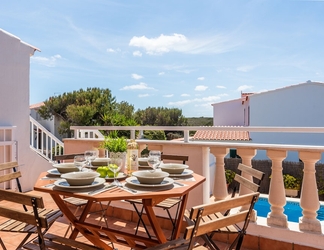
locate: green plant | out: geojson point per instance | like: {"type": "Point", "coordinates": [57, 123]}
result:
{"type": "Point", "coordinates": [114, 144]}
{"type": "Point", "coordinates": [229, 174]}
{"type": "Point", "coordinates": [290, 182]}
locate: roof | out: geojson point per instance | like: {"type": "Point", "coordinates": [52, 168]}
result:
{"type": "Point", "coordinates": [36, 105]}
{"type": "Point", "coordinates": [222, 135]}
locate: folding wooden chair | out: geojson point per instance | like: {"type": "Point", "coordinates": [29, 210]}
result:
{"type": "Point", "coordinates": [166, 205]}
{"type": "Point", "coordinates": [204, 221]}
{"type": "Point", "coordinates": [37, 220]}
{"type": "Point", "coordinates": [14, 225]}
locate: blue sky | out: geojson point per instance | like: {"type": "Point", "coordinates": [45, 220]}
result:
{"type": "Point", "coordinates": [182, 54]}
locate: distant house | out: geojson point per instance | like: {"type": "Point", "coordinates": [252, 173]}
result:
{"type": "Point", "coordinates": [299, 105]}
{"type": "Point", "coordinates": [51, 124]}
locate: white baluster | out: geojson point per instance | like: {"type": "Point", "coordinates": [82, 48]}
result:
{"type": "Point", "coordinates": [277, 197]}
{"type": "Point", "coordinates": [220, 188]}
{"type": "Point", "coordinates": [309, 200]}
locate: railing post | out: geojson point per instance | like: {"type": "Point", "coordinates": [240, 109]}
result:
{"type": "Point", "coordinates": [205, 172]}
{"type": "Point", "coordinates": [220, 189]}
{"type": "Point", "coordinates": [309, 200]}
{"type": "Point", "coordinates": [277, 197]}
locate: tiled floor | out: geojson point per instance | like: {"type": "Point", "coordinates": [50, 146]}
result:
{"type": "Point", "coordinates": [59, 227]}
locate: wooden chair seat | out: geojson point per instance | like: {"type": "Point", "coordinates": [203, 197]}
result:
{"type": "Point", "coordinates": [57, 242]}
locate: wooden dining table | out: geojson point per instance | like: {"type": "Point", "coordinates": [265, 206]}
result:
{"type": "Point", "coordinates": [98, 234]}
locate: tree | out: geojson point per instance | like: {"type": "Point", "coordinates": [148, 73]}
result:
{"type": "Point", "coordinates": [91, 107]}
{"type": "Point", "coordinates": [160, 117]}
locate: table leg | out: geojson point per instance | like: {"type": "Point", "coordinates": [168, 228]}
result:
{"type": "Point", "coordinates": [153, 221]}
{"type": "Point", "coordinates": [176, 233]}
{"type": "Point", "coordinates": [77, 228]}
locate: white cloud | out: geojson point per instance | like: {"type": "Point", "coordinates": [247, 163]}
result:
{"type": "Point", "coordinates": [110, 50]}
{"type": "Point", "coordinates": [168, 96]}
{"type": "Point", "coordinates": [185, 95]}
{"type": "Point", "coordinates": [201, 78]}
{"type": "Point", "coordinates": [136, 76]}
{"type": "Point", "coordinates": [201, 88]}
{"type": "Point", "coordinates": [220, 87]}
{"type": "Point", "coordinates": [143, 95]}
{"type": "Point", "coordinates": [180, 43]}
{"type": "Point", "coordinates": [137, 53]}
{"type": "Point", "coordinates": [159, 45]}
{"type": "Point", "coordinates": [161, 73]}
{"type": "Point", "coordinates": [140, 86]}
{"type": "Point", "coordinates": [244, 87]}
{"type": "Point", "coordinates": [49, 62]}
{"type": "Point", "coordinates": [199, 101]}
{"type": "Point", "coordinates": [245, 68]}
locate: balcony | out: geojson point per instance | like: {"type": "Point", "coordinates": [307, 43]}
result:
{"type": "Point", "coordinates": [276, 229]}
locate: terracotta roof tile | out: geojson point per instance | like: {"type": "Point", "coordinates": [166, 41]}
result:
{"type": "Point", "coordinates": [221, 135]}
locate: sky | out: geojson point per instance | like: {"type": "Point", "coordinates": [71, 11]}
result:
{"type": "Point", "coordinates": [181, 54]}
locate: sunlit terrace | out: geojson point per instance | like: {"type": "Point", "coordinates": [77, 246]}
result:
{"type": "Point", "coordinates": [275, 230]}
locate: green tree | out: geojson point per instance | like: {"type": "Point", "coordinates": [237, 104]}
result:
{"type": "Point", "coordinates": [91, 107]}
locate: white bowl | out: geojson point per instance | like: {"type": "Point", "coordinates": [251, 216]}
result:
{"type": "Point", "coordinates": [148, 177]}
{"type": "Point", "coordinates": [173, 168]}
{"type": "Point", "coordinates": [80, 178]}
{"type": "Point", "coordinates": [100, 162]}
{"type": "Point", "coordinates": [142, 162]}
{"type": "Point", "coordinates": [65, 167]}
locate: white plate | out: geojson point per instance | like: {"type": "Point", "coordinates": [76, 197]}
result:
{"type": "Point", "coordinates": [186, 172]}
{"type": "Point", "coordinates": [54, 171]}
{"type": "Point", "coordinates": [133, 180]}
{"type": "Point", "coordinates": [120, 175]}
{"type": "Point", "coordinates": [64, 184]}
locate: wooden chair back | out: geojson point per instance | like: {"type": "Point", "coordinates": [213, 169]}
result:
{"type": "Point", "coordinates": [9, 172]}
{"type": "Point", "coordinates": [208, 217]}
{"type": "Point", "coordinates": [62, 158]}
{"type": "Point", "coordinates": [182, 158]}
{"type": "Point", "coordinates": [242, 180]}
{"type": "Point", "coordinates": [11, 212]}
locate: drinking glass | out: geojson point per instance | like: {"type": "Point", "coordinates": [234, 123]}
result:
{"type": "Point", "coordinates": [90, 155]}
{"type": "Point", "coordinates": [115, 166]}
{"type": "Point", "coordinates": [156, 163]}
{"type": "Point", "coordinates": [153, 161]}
{"type": "Point", "coordinates": [80, 161]}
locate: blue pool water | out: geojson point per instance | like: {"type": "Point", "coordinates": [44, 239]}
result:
{"type": "Point", "coordinates": [291, 209]}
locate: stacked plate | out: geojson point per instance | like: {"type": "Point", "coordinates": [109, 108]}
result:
{"type": "Point", "coordinates": [79, 180]}
{"type": "Point", "coordinates": [150, 179]}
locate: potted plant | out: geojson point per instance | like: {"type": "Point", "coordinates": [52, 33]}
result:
{"type": "Point", "coordinates": [115, 147]}
{"type": "Point", "coordinates": [229, 174]}
{"type": "Point", "coordinates": [291, 184]}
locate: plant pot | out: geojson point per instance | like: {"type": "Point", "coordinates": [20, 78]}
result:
{"type": "Point", "coordinates": [291, 192]}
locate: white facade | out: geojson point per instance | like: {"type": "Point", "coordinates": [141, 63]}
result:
{"type": "Point", "coordinates": [299, 105]}
{"type": "Point", "coordinates": [229, 113]}
{"type": "Point", "coordinates": [14, 103]}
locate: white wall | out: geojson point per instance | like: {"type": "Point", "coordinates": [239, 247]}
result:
{"type": "Point", "coordinates": [295, 106]}
{"type": "Point", "coordinates": [14, 102]}
{"type": "Point", "coordinates": [230, 113]}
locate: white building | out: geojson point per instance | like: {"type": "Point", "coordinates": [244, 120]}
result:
{"type": "Point", "coordinates": [14, 108]}
{"type": "Point", "coordinates": [299, 105]}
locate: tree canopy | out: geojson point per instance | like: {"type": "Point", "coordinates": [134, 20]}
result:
{"type": "Point", "coordinates": [97, 107]}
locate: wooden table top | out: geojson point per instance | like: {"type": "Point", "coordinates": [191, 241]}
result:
{"type": "Point", "coordinates": [43, 184]}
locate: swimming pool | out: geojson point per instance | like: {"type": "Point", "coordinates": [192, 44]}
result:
{"type": "Point", "coordinates": [291, 209]}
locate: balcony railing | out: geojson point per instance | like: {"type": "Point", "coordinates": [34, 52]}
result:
{"type": "Point", "coordinates": [199, 152]}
